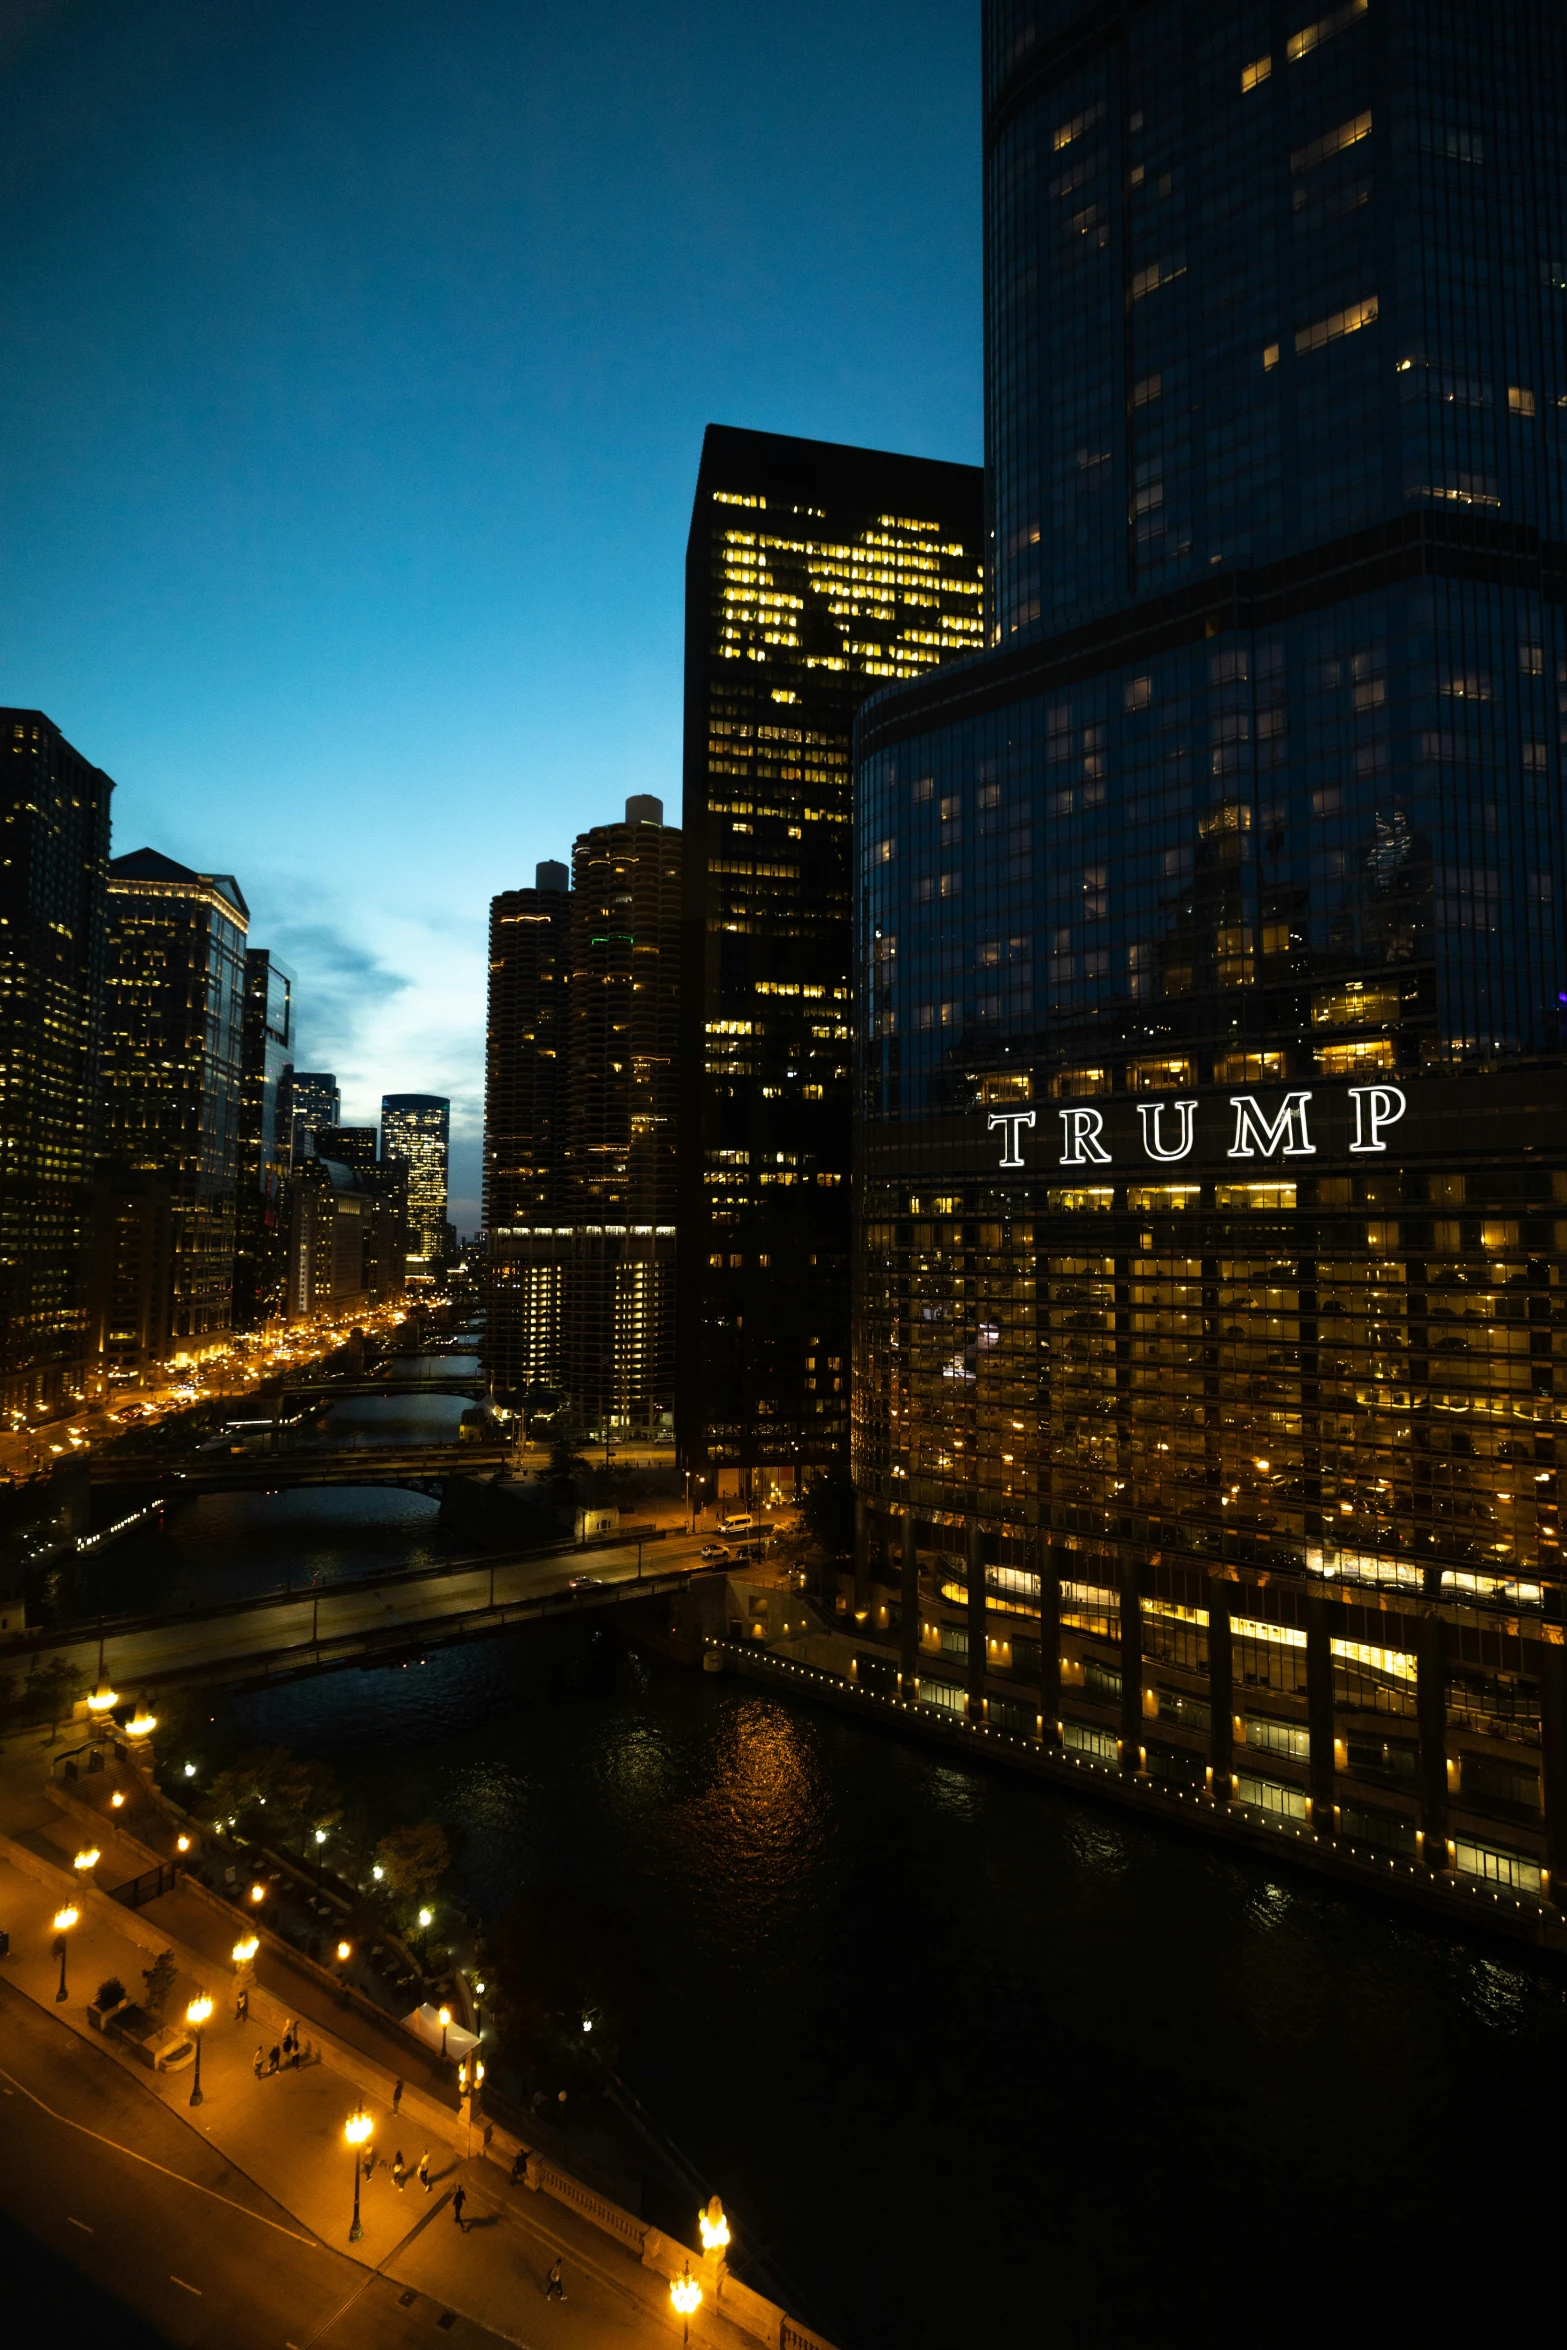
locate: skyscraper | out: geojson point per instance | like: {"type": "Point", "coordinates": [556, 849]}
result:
{"type": "Point", "coordinates": [1212, 1142]}
{"type": "Point", "coordinates": [172, 1070]}
{"type": "Point", "coordinates": [814, 574]}
{"type": "Point", "coordinates": [317, 1101]}
{"type": "Point", "coordinates": [580, 1146]}
{"type": "Point", "coordinates": [524, 1125]}
{"type": "Point", "coordinates": [265, 1140]}
{"type": "Point", "coordinates": [351, 1146]}
{"type": "Point", "coordinates": [52, 944]}
{"type": "Point", "coordinates": [416, 1128]}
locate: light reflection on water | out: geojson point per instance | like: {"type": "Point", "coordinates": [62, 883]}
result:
{"type": "Point", "coordinates": [958, 1999]}
{"type": "Point", "coordinates": [982, 2063]}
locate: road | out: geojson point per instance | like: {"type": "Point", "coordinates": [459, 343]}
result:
{"type": "Point", "coordinates": [99, 2171]}
{"type": "Point", "coordinates": [381, 1608]}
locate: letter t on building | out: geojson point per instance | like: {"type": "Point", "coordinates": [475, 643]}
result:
{"type": "Point", "coordinates": [1014, 1121]}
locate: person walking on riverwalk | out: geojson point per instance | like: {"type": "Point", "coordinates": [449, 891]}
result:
{"type": "Point", "coordinates": [554, 2289]}
{"type": "Point", "coordinates": [261, 2058]}
{"type": "Point", "coordinates": [424, 2170]}
{"type": "Point", "coordinates": [397, 2096]}
{"type": "Point", "coordinates": [458, 2200]}
{"type": "Point", "coordinates": [242, 2005]}
{"type": "Point", "coordinates": [399, 2171]}
{"type": "Point", "coordinates": [274, 2059]}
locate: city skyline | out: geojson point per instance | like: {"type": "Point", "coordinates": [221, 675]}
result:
{"type": "Point", "coordinates": [350, 611]}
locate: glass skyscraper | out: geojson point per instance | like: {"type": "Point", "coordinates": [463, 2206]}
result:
{"type": "Point", "coordinates": [814, 574]}
{"type": "Point", "coordinates": [265, 1140]}
{"type": "Point", "coordinates": [416, 1128]}
{"type": "Point", "coordinates": [1212, 1138]}
{"type": "Point", "coordinates": [173, 1056]}
{"type": "Point", "coordinates": [54, 806]}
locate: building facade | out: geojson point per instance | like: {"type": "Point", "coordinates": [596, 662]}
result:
{"type": "Point", "coordinates": [353, 1146]}
{"type": "Point", "coordinates": [317, 1101]}
{"type": "Point", "coordinates": [524, 1127]}
{"type": "Point", "coordinates": [266, 1127]}
{"type": "Point", "coordinates": [173, 1057]}
{"type": "Point", "coordinates": [416, 1129]}
{"type": "Point", "coordinates": [814, 575]}
{"type": "Point", "coordinates": [329, 1211]}
{"type": "Point", "coordinates": [53, 931]}
{"type": "Point", "coordinates": [1212, 1272]}
{"type": "Point", "coordinates": [582, 1141]}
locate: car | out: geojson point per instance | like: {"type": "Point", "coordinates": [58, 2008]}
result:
{"type": "Point", "coordinates": [585, 1583]}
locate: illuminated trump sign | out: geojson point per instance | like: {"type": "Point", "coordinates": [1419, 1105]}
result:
{"type": "Point", "coordinates": [1166, 1132]}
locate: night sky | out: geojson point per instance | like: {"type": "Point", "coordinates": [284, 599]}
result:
{"type": "Point", "coordinates": [356, 361]}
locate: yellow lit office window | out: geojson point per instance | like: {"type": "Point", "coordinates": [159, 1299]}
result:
{"type": "Point", "coordinates": [1155, 1199]}
{"type": "Point", "coordinates": [1161, 1076]}
{"type": "Point", "coordinates": [1091, 1196]}
{"type": "Point", "coordinates": [1254, 1195]}
{"type": "Point", "coordinates": [1069, 1084]}
{"type": "Point", "coordinates": [1365, 1052]}
{"type": "Point", "coordinates": [1258, 71]}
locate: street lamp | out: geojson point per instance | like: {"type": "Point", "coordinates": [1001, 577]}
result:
{"type": "Point", "coordinates": [345, 1951]}
{"type": "Point", "coordinates": [64, 1920]}
{"type": "Point", "coordinates": [86, 1861]}
{"type": "Point", "coordinates": [686, 2295]}
{"type": "Point", "coordinates": [426, 1921]}
{"type": "Point", "coordinates": [196, 2015]}
{"type": "Point", "coordinates": [356, 2130]}
{"type": "Point", "coordinates": [320, 1842]}
{"type": "Point", "coordinates": [714, 2227]}
{"type": "Point", "coordinates": [141, 1724]}
{"type": "Point", "coordinates": [245, 1950]}
{"type": "Point", "coordinates": [103, 1699]}
{"type": "Point", "coordinates": [445, 2020]}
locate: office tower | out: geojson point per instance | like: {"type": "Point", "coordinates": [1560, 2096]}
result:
{"type": "Point", "coordinates": [618, 1165]}
{"type": "Point", "coordinates": [581, 1123]}
{"type": "Point", "coordinates": [265, 1140]}
{"type": "Point", "coordinates": [173, 1073]}
{"type": "Point", "coordinates": [1210, 941]}
{"type": "Point", "coordinates": [415, 1128]}
{"type": "Point", "coordinates": [317, 1101]}
{"type": "Point", "coordinates": [52, 946]}
{"type": "Point", "coordinates": [385, 1249]}
{"type": "Point", "coordinates": [351, 1146]}
{"type": "Point", "coordinates": [814, 574]}
{"type": "Point", "coordinates": [328, 1214]}
{"type": "Point", "coordinates": [530, 943]}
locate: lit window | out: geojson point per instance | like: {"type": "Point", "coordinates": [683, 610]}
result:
{"type": "Point", "coordinates": [1337, 325]}
{"type": "Point", "coordinates": [1258, 71]}
{"type": "Point", "coordinates": [1520, 400]}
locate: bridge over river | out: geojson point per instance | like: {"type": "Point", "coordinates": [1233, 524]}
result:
{"type": "Point", "coordinates": [421, 1466]}
{"type": "Point", "coordinates": [380, 1619]}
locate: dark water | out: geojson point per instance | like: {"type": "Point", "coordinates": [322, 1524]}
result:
{"type": "Point", "coordinates": [975, 2062]}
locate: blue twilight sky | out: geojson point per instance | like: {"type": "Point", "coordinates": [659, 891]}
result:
{"type": "Point", "coordinates": [353, 367]}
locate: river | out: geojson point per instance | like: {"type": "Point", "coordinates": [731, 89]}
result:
{"type": "Point", "coordinates": [975, 2061]}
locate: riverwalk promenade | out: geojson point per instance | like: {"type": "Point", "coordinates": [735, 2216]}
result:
{"type": "Point", "coordinates": [230, 2219]}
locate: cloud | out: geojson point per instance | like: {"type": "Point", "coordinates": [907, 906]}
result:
{"type": "Point", "coordinates": [340, 985]}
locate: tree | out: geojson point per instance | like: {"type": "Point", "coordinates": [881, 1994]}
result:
{"type": "Point", "coordinates": [54, 1691]}
{"type": "Point", "coordinates": [413, 1861]}
{"type": "Point", "coordinates": [568, 1981]}
{"type": "Point", "coordinates": [273, 1794]}
{"type": "Point", "coordinates": [159, 1979]}
{"type": "Point", "coordinates": [829, 1511]}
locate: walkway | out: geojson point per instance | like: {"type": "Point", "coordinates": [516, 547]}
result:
{"type": "Point", "coordinates": [260, 2176]}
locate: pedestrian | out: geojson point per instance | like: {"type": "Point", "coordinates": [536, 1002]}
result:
{"type": "Point", "coordinates": [424, 2170]}
{"type": "Point", "coordinates": [274, 2059]}
{"type": "Point", "coordinates": [519, 2168]}
{"type": "Point", "coordinates": [242, 2006]}
{"type": "Point", "coordinates": [458, 2200]}
{"type": "Point", "coordinates": [369, 2162]}
{"type": "Point", "coordinates": [554, 2290]}
{"type": "Point", "coordinates": [397, 2096]}
{"type": "Point", "coordinates": [399, 2171]}
{"type": "Point", "coordinates": [261, 2058]}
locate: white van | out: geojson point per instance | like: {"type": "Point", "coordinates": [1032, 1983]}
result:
{"type": "Point", "coordinates": [739, 1524]}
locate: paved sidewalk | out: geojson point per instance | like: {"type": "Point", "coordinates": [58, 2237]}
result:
{"type": "Point", "coordinates": [285, 2134]}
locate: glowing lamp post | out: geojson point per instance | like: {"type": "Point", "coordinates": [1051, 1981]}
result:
{"type": "Point", "coordinates": [139, 1730]}
{"type": "Point", "coordinates": [686, 2294]}
{"type": "Point", "coordinates": [345, 1951]}
{"type": "Point", "coordinates": [715, 2229]}
{"type": "Point", "coordinates": [445, 2023]}
{"type": "Point", "coordinates": [244, 1956]}
{"type": "Point", "coordinates": [103, 1700]}
{"type": "Point", "coordinates": [64, 1920]}
{"type": "Point", "coordinates": [196, 2015]}
{"type": "Point", "coordinates": [86, 1861]}
{"type": "Point", "coordinates": [426, 1921]}
{"type": "Point", "coordinates": [356, 2130]}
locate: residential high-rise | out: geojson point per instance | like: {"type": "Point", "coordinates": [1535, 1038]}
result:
{"type": "Point", "coordinates": [173, 1056]}
{"type": "Point", "coordinates": [52, 946]}
{"type": "Point", "coordinates": [317, 1101]}
{"type": "Point", "coordinates": [581, 1127]}
{"type": "Point", "coordinates": [416, 1128]}
{"type": "Point", "coordinates": [814, 574]}
{"type": "Point", "coordinates": [524, 1117]}
{"type": "Point", "coordinates": [265, 1140]}
{"type": "Point", "coordinates": [1212, 1148]}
